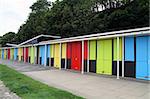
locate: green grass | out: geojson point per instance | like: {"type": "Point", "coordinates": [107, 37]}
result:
{"type": "Point", "coordinates": [27, 88]}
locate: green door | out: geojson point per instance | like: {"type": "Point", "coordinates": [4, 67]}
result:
{"type": "Point", "coordinates": [32, 55]}
{"type": "Point", "coordinates": [100, 57]}
{"type": "Point", "coordinates": [93, 50]}
{"type": "Point", "coordinates": [92, 61]}
{"type": "Point", "coordinates": [108, 57]}
{"type": "Point", "coordinates": [104, 57]}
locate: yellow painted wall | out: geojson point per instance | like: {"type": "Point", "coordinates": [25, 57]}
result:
{"type": "Point", "coordinates": [29, 53]}
{"type": "Point", "coordinates": [5, 54]}
{"type": "Point", "coordinates": [52, 51]}
{"type": "Point", "coordinates": [0, 53]}
{"type": "Point", "coordinates": [20, 53]}
{"type": "Point", "coordinates": [115, 49]}
{"type": "Point", "coordinates": [32, 54]}
{"type": "Point", "coordinates": [64, 50]}
{"type": "Point", "coordinates": [11, 53]}
{"type": "Point", "coordinates": [57, 56]}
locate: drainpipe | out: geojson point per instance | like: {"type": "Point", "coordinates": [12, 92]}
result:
{"type": "Point", "coordinates": [49, 56]}
{"type": "Point", "coordinates": [45, 56]}
{"type": "Point", "coordinates": [66, 58]}
{"type": "Point", "coordinates": [88, 56]}
{"type": "Point", "coordinates": [82, 70]}
{"type": "Point", "coordinates": [60, 56]}
{"type": "Point", "coordinates": [122, 56]}
{"type": "Point", "coordinates": [24, 54]}
{"type": "Point", "coordinates": [117, 57]}
{"type": "Point", "coordinates": [35, 56]}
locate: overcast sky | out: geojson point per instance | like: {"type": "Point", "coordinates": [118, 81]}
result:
{"type": "Point", "coordinates": [13, 13]}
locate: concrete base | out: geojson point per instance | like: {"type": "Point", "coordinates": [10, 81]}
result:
{"type": "Point", "coordinates": [88, 86]}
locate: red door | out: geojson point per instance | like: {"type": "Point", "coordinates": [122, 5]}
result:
{"type": "Point", "coordinates": [23, 54]}
{"type": "Point", "coordinates": [26, 56]}
{"type": "Point", "coordinates": [8, 53]}
{"type": "Point", "coordinates": [76, 56]}
{"type": "Point", "coordinates": [85, 50]}
{"type": "Point", "coordinates": [68, 50]}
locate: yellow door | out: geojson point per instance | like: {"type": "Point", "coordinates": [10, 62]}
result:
{"type": "Point", "coordinates": [57, 56]}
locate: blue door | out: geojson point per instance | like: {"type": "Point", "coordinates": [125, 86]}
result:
{"type": "Point", "coordinates": [2, 53]}
{"type": "Point", "coordinates": [129, 49]}
{"type": "Point", "coordinates": [15, 53]}
{"type": "Point", "coordinates": [129, 57]}
{"type": "Point", "coordinates": [42, 54]}
{"type": "Point", "coordinates": [48, 55]}
{"type": "Point", "coordinates": [142, 57]}
{"type": "Point", "coordinates": [149, 58]}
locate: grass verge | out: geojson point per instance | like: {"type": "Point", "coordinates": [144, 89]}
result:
{"type": "Point", "coordinates": [27, 88]}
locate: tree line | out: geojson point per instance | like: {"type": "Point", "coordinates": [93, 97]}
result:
{"type": "Point", "coordinates": [79, 17]}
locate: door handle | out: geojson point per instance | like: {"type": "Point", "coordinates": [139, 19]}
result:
{"type": "Point", "coordinates": [75, 58]}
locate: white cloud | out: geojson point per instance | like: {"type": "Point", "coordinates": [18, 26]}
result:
{"type": "Point", "coordinates": [13, 13]}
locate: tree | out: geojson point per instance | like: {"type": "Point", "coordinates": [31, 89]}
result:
{"type": "Point", "coordinates": [36, 23]}
{"type": "Point", "coordinates": [7, 38]}
{"type": "Point", "coordinates": [79, 17]}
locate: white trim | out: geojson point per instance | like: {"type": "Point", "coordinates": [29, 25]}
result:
{"type": "Point", "coordinates": [88, 61]}
{"type": "Point", "coordinates": [138, 31]}
{"type": "Point", "coordinates": [35, 55]}
{"type": "Point", "coordinates": [60, 54]}
{"type": "Point", "coordinates": [100, 34]}
{"type": "Point", "coordinates": [45, 58]}
{"type": "Point", "coordinates": [82, 70]}
{"type": "Point", "coordinates": [118, 52]}
{"type": "Point", "coordinates": [122, 56]}
{"type": "Point", "coordinates": [66, 56]}
{"type": "Point", "coordinates": [13, 45]}
{"type": "Point", "coordinates": [99, 37]}
{"type": "Point", "coordinates": [38, 37]}
{"type": "Point", "coordinates": [66, 63]}
{"type": "Point", "coordinates": [24, 54]}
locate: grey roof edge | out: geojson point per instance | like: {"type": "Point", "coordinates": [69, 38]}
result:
{"type": "Point", "coordinates": [143, 30]}
{"type": "Point", "coordinates": [100, 34]}
{"type": "Point", "coordinates": [38, 37]}
{"type": "Point", "coordinates": [13, 45]}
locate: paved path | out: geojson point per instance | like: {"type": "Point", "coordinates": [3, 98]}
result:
{"type": "Point", "coordinates": [5, 92]}
{"type": "Point", "coordinates": [23, 67]}
{"type": "Point", "coordinates": [88, 86]}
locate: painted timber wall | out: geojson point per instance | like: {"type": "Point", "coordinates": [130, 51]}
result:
{"type": "Point", "coordinates": [26, 54]}
{"type": "Point", "coordinates": [92, 55]}
{"type": "Point", "coordinates": [69, 47]}
{"type": "Point", "coordinates": [42, 54]}
{"type": "Point", "coordinates": [16, 54]}
{"type": "Point", "coordinates": [52, 50]}
{"type": "Point", "coordinates": [100, 56]}
{"type": "Point", "coordinates": [8, 54]}
{"type": "Point", "coordinates": [57, 56]}
{"type": "Point", "coordinates": [32, 54]}
{"type": "Point", "coordinates": [48, 56]}
{"type": "Point", "coordinates": [63, 55]}
{"type": "Point", "coordinates": [104, 57]}
{"type": "Point", "coordinates": [114, 54]}
{"type": "Point", "coordinates": [142, 57]}
{"type": "Point", "coordinates": [130, 66]}
{"type": "Point", "coordinates": [76, 56]}
{"type": "Point", "coordinates": [19, 53]}
{"type": "Point", "coordinates": [85, 55]}
{"type": "Point", "coordinates": [5, 53]}
{"type": "Point", "coordinates": [12, 54]}
{"type": "Point", "coordinates": [0, 53]}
